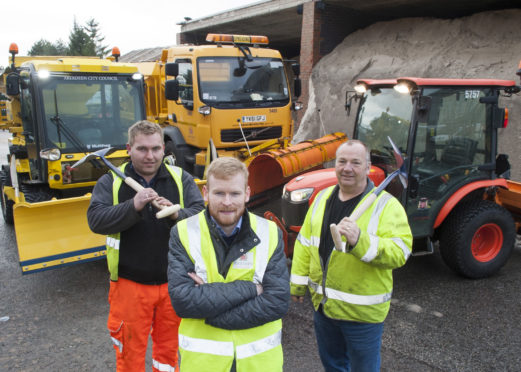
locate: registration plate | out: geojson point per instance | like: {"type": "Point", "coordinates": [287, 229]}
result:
{"type": "Point", "coordinates": [253, 118]}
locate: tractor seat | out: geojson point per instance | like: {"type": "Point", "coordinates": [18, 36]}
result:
{"type": "Point", "coordinates": [459, 151]}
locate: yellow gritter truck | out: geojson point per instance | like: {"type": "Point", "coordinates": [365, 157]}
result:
{"type": "Point", "coordinates": [232, 97]}
{"type": "Point", "coordinates": [58, 109]}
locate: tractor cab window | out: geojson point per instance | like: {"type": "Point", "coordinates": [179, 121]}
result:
{"type": "Point", "coordinates": [231, 82]}
{"type": "Point", "coordinates": [451, 144]}
{"type": "Point", "coordinates": [384, 113]}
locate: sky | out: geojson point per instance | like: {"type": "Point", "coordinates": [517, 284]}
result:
{"type": "Point", "coordinates": [127, 24]}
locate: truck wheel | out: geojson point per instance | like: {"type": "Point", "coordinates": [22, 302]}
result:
{"type": "Point", "coordinates": [35, 194]}
{"type": "Point", "coordinates": [172, 150]}
{"type": "Point", "coordinates": [477, 238]}
{"type": "Point", "coordinates": [7, 205]}
{"type": "Point", "coordinates": [7, 208]}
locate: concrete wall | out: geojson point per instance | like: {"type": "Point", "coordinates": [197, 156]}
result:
{"type": "Point", "coordinates": [484, 45]}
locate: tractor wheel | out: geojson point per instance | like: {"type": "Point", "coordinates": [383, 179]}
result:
{"type": "Point", "coordinates": [35, 194]}
{"type": "Point", "coordinates": [477, 238]}
{"type": "Point", "coordinates": [7, 204]}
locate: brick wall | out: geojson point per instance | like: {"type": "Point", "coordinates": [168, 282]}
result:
{"type": "Point", "coordinates": [309, 48]}
{"type": "Point", "coordinates": [324, 26]}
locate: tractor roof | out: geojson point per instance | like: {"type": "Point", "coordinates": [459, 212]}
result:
{"type": "Point", "coordinates": [438, 82]}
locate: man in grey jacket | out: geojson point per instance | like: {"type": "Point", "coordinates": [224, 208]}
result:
{"type": "Point", "coordinates": [137, 248]}
{"type": "Point", "coordinates": [228, 280]}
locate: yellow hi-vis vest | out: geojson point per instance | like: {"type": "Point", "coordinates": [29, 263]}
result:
{"type": "Point", "coordinates": [354, 286]}
{"type": "Point", "coordinates": [206, 348]}
{"type": "Point", "coordinates": [113, 240]}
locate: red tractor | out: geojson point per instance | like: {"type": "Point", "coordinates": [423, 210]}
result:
{"type": "Point", "coordinates": [458, 189]}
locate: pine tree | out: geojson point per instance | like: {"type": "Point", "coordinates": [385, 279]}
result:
{"type": "Point", "coordinates": [92, 28]}
{"type": "Point", "coordinates": [80, 42]}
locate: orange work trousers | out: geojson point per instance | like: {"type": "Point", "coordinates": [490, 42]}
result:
{"type": "Point", "coordinates": [137, 311]}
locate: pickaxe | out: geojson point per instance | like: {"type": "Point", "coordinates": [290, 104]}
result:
{"type": "Point", "coordinates": [400, 172]}
{"type": "Point", "coordinates": [164, 211]}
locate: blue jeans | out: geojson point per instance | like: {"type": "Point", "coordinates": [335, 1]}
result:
{"type": "Point", "coordinates": [346, 346]}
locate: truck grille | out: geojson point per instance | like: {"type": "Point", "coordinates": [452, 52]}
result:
{"type": "Point", "coordinates": [251, 134]}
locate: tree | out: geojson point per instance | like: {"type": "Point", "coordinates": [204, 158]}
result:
{"type": "Point", "coordinates": [80, 42]}
{"type": "Point", "coordinates": [46, 48]}
{"type": "Point", "coordinates": [92, 28]}
{"type": "Point", "coordinates": [83, 41]}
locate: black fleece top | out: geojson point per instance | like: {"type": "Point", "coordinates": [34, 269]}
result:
{"type": "Point", "coordinates": [144, 238]}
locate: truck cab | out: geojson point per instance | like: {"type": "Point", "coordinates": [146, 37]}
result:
{"type": "Point", "coordinates": [233, 93]}
{"type": "Point", "coordinates": [58, 109]}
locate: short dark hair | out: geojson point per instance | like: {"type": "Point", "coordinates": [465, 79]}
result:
{"type": "Point", "coordinates": [143, 127]}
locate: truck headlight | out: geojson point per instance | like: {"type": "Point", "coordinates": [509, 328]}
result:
{"type": "Point", "coordinates": [44, 74]}
{"type": "Point", "coordinates": [300, 195]}
{"type": "Point", "coordinates": [50, 154]}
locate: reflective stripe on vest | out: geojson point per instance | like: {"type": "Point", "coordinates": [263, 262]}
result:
{"type": "Point", "coordinates": [259, 346]}
{"type": "Point", "coordinates": [201, 345]}
{"type": "Point", "coordinates": [299, 279]}
{"type": "Point", "coordinates": [372, 227]}
{"type": "Point", "coordinates": [225, 348]}
{"type": "Point", "coordinates": [194, 235]}
{"type": "Point", "coordinates": [312, 241]}
{"type": "Point", "coordinates": [351, 298]}
{"type": "Point", "coordinates": [317, 200]}
{"type": "Point", "coordinates": [113, 240]}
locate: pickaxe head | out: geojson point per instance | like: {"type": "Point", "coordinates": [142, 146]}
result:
{"type": "Point", "coordinates": [402, 170]}
{"type": "Point", "coordinates": [93, 155]}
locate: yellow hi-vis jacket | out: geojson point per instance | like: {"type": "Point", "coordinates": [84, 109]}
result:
{"type": "Point", "coordinates": [357, 285]}
{"type": "Point", "coordinates": [207, 348]}
{"type": "Point", "coordinates": [113, 240]}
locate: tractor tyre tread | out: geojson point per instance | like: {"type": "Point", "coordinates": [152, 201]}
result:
{"type": "Point", "coordinates": [459, 229]}
{"type": "Point", "coordinates": [35, 194]}
{"type": "Point", "coordinates": [7, 205]}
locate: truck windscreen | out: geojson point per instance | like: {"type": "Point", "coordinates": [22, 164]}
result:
{"type": "Point", "coordinates": [239, 82]}
{"type": "Point", "coordinates": [97, 109]}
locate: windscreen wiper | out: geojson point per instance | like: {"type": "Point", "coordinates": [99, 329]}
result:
{"type": "Point", "coordinates": [61, 126]}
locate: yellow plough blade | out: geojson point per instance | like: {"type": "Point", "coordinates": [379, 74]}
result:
{"type": "Point", "coordinates": [55, 233]}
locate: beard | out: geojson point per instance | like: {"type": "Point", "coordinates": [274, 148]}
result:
{"type": "Point", "coordinates": [228, 217]}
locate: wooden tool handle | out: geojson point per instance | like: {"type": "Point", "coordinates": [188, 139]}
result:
{"type": "Point", "coordinates": [167, 211]}
{"type": "Point", "coordinates": [337, 238]}
{"type": "Point", "coordinates": [164, 211]}
{"type": "Point", "coordinates": [363, 207]}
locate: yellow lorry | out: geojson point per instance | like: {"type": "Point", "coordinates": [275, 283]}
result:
{"type": "Point", "coordinates": [229, 98]}
{"type": "Point", "coordinates": [58, 109]}
{"type": "Point", "coordinates": [232, 97]}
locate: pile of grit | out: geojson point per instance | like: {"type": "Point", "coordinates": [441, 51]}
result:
{"type": "Point", "coordinates": [485, 45]}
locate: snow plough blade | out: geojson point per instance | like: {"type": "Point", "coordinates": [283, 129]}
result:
{"type": "Point", "coordinates": [277, 166]}
{"type": "Point", "coordinates": [55, 233]}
